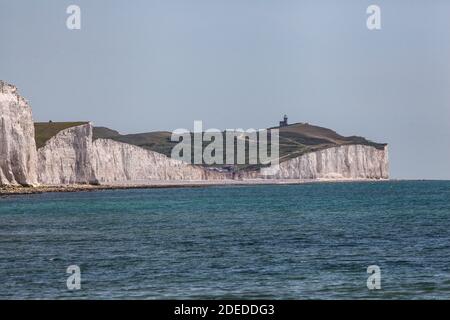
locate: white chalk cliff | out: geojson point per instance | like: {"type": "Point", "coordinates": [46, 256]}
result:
{"type": "Point", "coordinates": [72, 156]}
{"type": "Point", "coordinates": [17, 144]}
{"type": "Point", "coordinates": [343, 162]}
{"type": "Point", "coordinates": [114, 161]}
{"type": "Point", "coordinates": [66, 158]}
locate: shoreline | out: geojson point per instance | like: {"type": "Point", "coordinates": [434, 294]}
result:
{"type": "Point", "coordinates": [23, 190]}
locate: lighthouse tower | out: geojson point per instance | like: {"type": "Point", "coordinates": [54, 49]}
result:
{"type": "Point", "coordinates": [284, 123]}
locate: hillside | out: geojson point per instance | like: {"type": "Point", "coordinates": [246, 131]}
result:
{"type": "Point", "coordinates": [158, 141]}
{"type": "Point", "coordinates": [295, 140]}
{"type": "Point", "coordinates": [300, 138]}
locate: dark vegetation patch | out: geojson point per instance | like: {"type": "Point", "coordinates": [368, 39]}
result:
{"type": "Point", "coordinates": [43, 131]}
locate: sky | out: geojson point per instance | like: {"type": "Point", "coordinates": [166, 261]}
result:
{"type": "Point", "coordinates": [146, 65]}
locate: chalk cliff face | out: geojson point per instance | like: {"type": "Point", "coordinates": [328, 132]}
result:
{"type": "Point", "coordinates": [343, 162]}
{"type": "Point", "coordinates": [114, 161]}
{"type": "Point", "coordinates": [17, 144]}
{"type": "Point", "coordinates": [71, 157]}
{"type": "Point", "coordinates": [66, 157]}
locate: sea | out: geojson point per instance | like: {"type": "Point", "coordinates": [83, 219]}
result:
{"type": "Point", "coordinates": [352, 240]}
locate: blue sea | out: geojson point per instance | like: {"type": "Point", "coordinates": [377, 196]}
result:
{"type": "Point", "coordinates": [308, 241]}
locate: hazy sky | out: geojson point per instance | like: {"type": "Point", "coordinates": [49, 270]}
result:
{"type": "Point", "coordinates": [140, 66]}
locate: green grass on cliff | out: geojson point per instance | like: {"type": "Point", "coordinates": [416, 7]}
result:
{"type": "Point", "coordinates": [43, 131]}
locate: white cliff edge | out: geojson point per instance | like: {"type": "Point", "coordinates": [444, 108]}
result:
{"type": "Point", "coordinates": [17, 144]}
{"type": "Point", "coordinates": [66, 157]}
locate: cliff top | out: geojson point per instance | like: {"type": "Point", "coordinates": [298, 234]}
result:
{"type": "Point", "coordinates": [11, 90]}
{"type": "Point", "coordinates": [43, 131]}
{"type": "Point", "coordinates": [6, 86]}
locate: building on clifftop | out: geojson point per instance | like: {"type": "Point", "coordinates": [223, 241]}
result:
{"type": "Point", "coordinates": [284, 123]}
